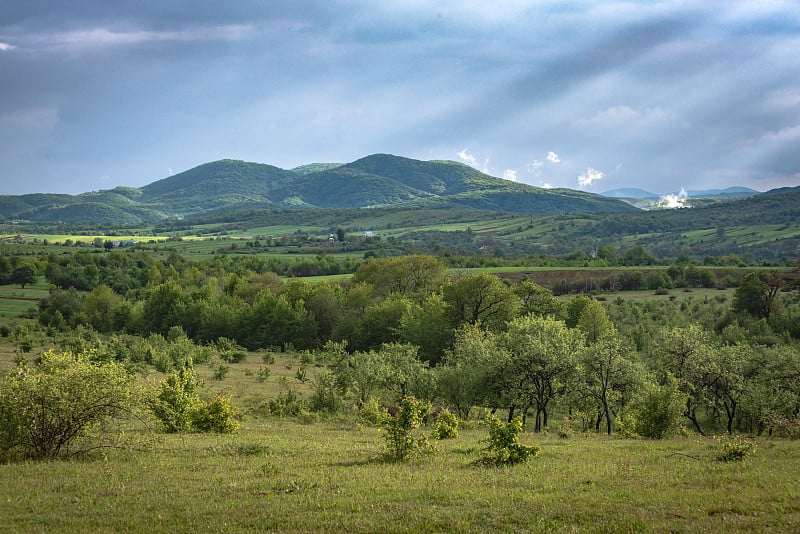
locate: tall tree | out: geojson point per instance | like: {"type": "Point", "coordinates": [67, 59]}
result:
{"type": "Point", "coordinates": [540, 362]}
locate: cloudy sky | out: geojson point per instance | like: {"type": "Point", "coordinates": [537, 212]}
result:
{"type": "Point", "coordinates": [587, 95]}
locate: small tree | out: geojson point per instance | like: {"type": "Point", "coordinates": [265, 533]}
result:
{"type": "Point", "coordinates": [50, 410]}
{"type": "Point", "coordinates": [177, 397]}
{"type": "Point", "coordinates": [504, 446]}
{"type": "Point", "coordinates": [180, 409]}
{"type": "Point", "coordinates": [400, 440]}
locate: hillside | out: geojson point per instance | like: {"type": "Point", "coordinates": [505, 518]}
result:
{"type": "Point", "coordinates": [377, 180]}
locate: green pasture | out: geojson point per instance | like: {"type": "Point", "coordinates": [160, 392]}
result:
{"type": "Point", "coordinates": [280, 475]}
{"type": "Point", "coordinates": [16, 302]}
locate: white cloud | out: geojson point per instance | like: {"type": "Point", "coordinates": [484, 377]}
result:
{"type": "Point", "coordinates": [510, 174]}
{"type": "Point", "coordinates": [468, 158]}
{"type": "Point", "coordinates": [625, 116]}
{"type": "Point", "coordinates": [674, 200]}
{"type": "Point", "coordinates": [5, 47]}
{"type": "Point", "coordinates": [552, 157]}
{"type": "Point", "coordinates": [472, 161]}
{"type": "Point", "coordinates": [590, 176]}
{"type": "Point", "coordinates": [545, 185]}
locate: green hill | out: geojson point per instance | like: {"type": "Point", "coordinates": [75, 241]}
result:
{"type": "Point", "coordinates": [377, 180]}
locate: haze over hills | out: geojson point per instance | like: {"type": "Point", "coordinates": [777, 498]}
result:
{"type": "Point", "coordinates": [376, 180]}
{"type": "Point", "coordinates": [641, 194]}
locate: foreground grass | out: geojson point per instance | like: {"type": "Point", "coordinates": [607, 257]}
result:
{"type": "Point", "coordinates": [283, 476]}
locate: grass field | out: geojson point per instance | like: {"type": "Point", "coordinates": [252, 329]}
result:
{"type": "Point", "coordinates": [283, 476]}
{"type": "Point", "coordinates": [329, 475]}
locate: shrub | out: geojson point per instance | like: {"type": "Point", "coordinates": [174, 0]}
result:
{"type": "Point", "coordinates": [49, 411]}
{"type": "Point", "coordinates": [177, 397]}
{"type": "Point", "coordinates": [180, 409]}
{"type": "Point", "coordinates": [446, 425]}
{"type": "Point", "coordinates": [734, 449]}
{"type": "Point", "coordinates": [221, 372]}
{"type": "Point", "coordinates": [504, 447]}
{"type": "Point", "coordinates": [216, 415]}
{"type": "Point", "coordinates": [372, 412]}
{"type": "Point", "coordinates": [288, 404]}
{"type": "Point", "coordinates": [400, 440]}
{"type": "Point", "coordinates": [656, 412]}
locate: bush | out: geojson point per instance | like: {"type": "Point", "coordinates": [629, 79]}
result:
{"type": "Point", "coordinates": [180, 409]}
{"type": "Point", "coordinates": [446, 425]}
{"type": "Point", "coordinates": [288, 404]}
{"type": "Point", "coordinates": [49, 411]}
{"type": "Point", "coordinates": [178, 396]}
{"type": "Point", "coordinates": [504, 447]}
{"type": "Point", "coordinates": [656, 412]}
{"type": "Point", "coordinates": [401, 443]}
{"type": "Point", "coordinates": [734, 449]}
{"type": "Point", "coordinates": [216, 415]}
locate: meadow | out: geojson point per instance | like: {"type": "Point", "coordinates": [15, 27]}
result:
{"type": "Point", "coordinates": [280, 475]}
{"type": "Point", "coordinates": [329, 474]}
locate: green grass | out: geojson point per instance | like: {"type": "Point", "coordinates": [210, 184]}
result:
{"type": "Point", "coordinates": [280, 475]}
{"type": "Point", "coordinates": [283, 476]}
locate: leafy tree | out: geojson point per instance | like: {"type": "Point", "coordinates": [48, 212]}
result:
{"type": "Point", "coordinates": [379, 324]}
{"type": "Point", "coordinates": [683, 352]}
{"type": "Point", "coordinates": [408, 275]}
{"type": "Point", "coordinates": [164, 308]}
{"type": "Point", "coordinates": [24, 275]}
{"type": "Point", "coordinates": [50, 410]}
{"type": "Point", "coordinates": [537, 300]}
{"type": "Point", "coordinates": [756, 294]}
{"type": "Point", "coordinates": [594, 322]}
{"type": "Point", "coordinates": [480, 299]}
{"type": "Point", "coordinates": [104, 309]}
{"type": "Point", "coordinates": [610, 376]}
{"type": "Point", "coordinates": [637, 255]}
{"type": "Point", "coordinates": [464, 376]}
{"type": "Point", "coordinates": [539, 362]}
{"type": "Point", "coordinates": [427, 327]}
{"type": "Point", "coordinates": [574, 309]}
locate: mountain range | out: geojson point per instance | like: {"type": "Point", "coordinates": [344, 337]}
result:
{"type": "Point", "coordinates": [376, 180]}
{"type": "Point", "coordinates": [641, 194]}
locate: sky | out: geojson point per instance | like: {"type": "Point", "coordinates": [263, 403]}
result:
{"type": "Point", "coordinates": [589, 95]}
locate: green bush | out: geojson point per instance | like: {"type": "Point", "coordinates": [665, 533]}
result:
{"type": "Point", "coordinates": [217, 415]}
{"type": "Point", "coordinates": [446, 425]}
{"type": "Point", "coordinates": [401, 443]}
{"type": "Point", "coordinates": [288, 404]}
{"type": "Point", "coordinates": [178, 396]}
{"type": "Point", "coordinates": [735, 449]}
{"type": "Point", "coordinates": [51, 410]}
{"type": "Point", "coordinates": [504, 447]}
{"type": "Point", "coordinates": [180, 409]}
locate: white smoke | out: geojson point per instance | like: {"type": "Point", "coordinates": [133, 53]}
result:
{"type": "Point", "coordinates": [672, 201]}
{"type": "Point", "coordinates": [510, 174]}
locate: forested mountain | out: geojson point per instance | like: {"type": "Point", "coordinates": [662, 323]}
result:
{"type": "Point", "coordinates": [377, 180]}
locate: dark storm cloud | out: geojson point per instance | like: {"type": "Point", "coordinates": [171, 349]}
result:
{"type": "Point", "coordinates": [657, 95]}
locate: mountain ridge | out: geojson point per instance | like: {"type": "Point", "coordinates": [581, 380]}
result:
{"type": "Point", "coordinates": [371, 181]}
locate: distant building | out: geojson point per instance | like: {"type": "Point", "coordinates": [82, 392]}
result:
{"type": "Point", "coordinates": [368, 233]}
